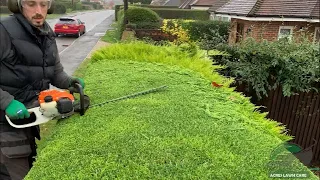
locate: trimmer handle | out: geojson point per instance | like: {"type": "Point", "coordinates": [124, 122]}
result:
{"type": "Point", "coordinates": [78, 89]}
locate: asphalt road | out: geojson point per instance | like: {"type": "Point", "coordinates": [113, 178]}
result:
{"type": "Point", "coordinates": [91, 20]}
{"type": "Point", "coordinates": [74, 50]}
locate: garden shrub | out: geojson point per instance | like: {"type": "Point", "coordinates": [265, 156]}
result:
{"type": "Point", "coordinates": [208, 34]}
{"type": "Point", "coordinates": [167, 54]}
{"type": "Point", "coordinates": [59, 9]}
{"type": "Point", "coordinates": [142, 16]}
{"type": "Point", "coordinates": [4, 10]}
{"type": "Point", "coordinates": [78, 6]}
{"type": "Point", "coordinates": [120, 25]}
{"type": "Point", "coordinates": [148, 25]}
{"type": "Point", "coordinates": [172, 13]}
{"type": "Point", "coordinates": [266, 65]}
{"type": "Point", "coordinates": [188, 131]}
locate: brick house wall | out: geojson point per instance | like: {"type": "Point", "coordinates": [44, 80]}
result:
{"type": "Point", "coordinates": [266, 30]}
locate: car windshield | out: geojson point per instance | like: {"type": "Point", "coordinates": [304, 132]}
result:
{"type": "Point", "coordinates": [67, 21]}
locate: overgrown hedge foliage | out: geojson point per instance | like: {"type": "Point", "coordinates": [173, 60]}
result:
{"type": "Point", "coordinates": [59, 9]}
{"type": "Point", "coordinates": [143, 18]}
{"type": "Point", "coordinates": [208, 30]}
{"type": "Point", "coordinates": [171, 13]}
{"type": "Point", "coordinates": [207, 33]}
{"type": "Point", "coordinates": [4, 10]}
{"type": "Point", "coordinates": [266, 65]}
{"type": "Point", "coordinates": [189, 131]}
{"type": "Point", "coordinates": [118, 7]}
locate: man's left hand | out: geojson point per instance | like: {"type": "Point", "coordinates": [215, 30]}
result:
{"type": "Point", "coordinates": [76, 80]}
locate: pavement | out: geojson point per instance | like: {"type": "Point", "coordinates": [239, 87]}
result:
{"type": "Point", "coordinates": [74, 55]}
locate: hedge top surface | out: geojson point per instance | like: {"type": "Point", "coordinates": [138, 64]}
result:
{"type": "Point", "coordinates": [189, 131]}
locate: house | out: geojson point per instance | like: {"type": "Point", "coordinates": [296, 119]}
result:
{"type": "Point", "coordinates": [216, 4]}
{"type": "Point", "coordinates": [271, 19]}
{"type": "Point", "coordinates": [197, 4]}
{"type": "Point", "coordinates": [176, 3]}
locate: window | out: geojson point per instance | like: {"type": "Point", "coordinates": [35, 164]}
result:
{"type": "Point", "coordinates": [219, 17]}
{"type": "Point", "coordinates": [317, 34]}
{"type": "Point", "coordinates": [285, 32]}
{"type": "Point", "coordinates": [67, 21]}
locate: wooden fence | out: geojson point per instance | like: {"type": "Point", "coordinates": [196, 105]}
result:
{"type": "Point", "coordinates": [299, 113]}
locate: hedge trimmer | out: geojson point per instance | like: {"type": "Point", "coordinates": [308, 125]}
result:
{"type": "Point", "coordinates": [60, 104]}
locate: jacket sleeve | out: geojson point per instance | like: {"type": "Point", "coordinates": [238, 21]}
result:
{"type": "Point", "coordinates": [5, 48]}
{"type": "Point", "coordinates": [61, 79]}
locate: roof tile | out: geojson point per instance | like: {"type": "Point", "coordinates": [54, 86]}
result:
{"type": "Point", "coordinates": [239, 7]}
{"type": "Point", "coordinates": [292, 8]}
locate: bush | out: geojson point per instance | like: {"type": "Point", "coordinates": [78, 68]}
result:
{"type": "Point", "coordinates": [142, 15]}
{"type": "Point", "coordinates": [60, 9]}
{"type": "Point", "coordinates": [188, 131]}
{"type": "Point", "coordinates": [78, 6]}
{"type": "Point", "coordinates": [172, 13]}
{"type": "Point", "coordinates": [120, 25]}
{"type": "Point", "coordinates": [4, 10]}
{"type": "Point", "coordinates": [266, 65]}
{"type": "Point", "coordinates": [148, 25]}
{"type": "Point", "coordinates": [118, 7]}
{"type": "Point", "coordinates": [207, 32]}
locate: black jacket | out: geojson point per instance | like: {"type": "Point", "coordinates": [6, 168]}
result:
{"type": "Point", "coordinates": [29, 61]}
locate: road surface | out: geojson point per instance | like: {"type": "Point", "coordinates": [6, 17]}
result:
{"type": "Point", "coordinates": [74, 50]}
{"type": "Point", "coordinates": [91, 20]}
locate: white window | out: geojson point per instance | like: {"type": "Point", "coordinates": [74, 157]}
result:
{"type": "Point", "coordinates": [222, 18]}
{"type": "Point", "coordinates": [285, 32]}
{"type": "Point", "coordinates": [317, 34]}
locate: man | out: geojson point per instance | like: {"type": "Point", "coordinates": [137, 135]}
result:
{"type": "Point", "coordinates": [29, 62]}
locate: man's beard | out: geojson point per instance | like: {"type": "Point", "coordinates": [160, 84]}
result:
{"type": "Point", "coordinates": [38, 24]}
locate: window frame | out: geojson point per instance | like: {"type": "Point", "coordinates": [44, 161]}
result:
{"type": "Point", "coordinates": [285, 27]}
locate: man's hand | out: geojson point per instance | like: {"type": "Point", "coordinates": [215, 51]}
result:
{"type": "Point", "coordinates": [16, 110]}
{"type": "Point", "coordinates": [76, 80]}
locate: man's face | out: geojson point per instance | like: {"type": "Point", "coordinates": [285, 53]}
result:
{"type": "Point", "coordinates": [35, 11]}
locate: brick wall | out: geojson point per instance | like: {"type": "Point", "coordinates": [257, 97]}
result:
{"type": "Point", "coordinates": [268, 30]}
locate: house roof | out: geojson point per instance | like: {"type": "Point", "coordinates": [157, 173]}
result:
{"type": "Point", "coordinates": [284, 8]}
{"type": "Point", "coordinates": [207, 3]}
{"type": "Point", "coordinates": [173, 3]}
{"type": "Point", "coordinates": [216, 4]}
{"type": "Point", "coordinates": [239, 7]}
{"type": "Point", "coordinates": [186, 4]}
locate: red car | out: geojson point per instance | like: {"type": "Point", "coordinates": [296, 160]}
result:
{"type": "Point", "coordinates": [69, 26]}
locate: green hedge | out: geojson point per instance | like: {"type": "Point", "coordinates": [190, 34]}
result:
{"type": "Point", "coordinates": [140, 14]}
{"type": "Point", "coordinates": [266, 65]}
{"type": "Point", "coordinates": [189, 131]}
{"type": "Point", "coordinates": [4, 10]}
{"type": "Point", "coordinates": [59, 9]}
{"type": "Point", "coordinates": [207, 29]}
{"type": "Point", "coordinates": [171, 13]}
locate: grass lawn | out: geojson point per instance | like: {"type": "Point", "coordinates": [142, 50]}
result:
{"type": "Point", "coordinates": [189, 131]}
